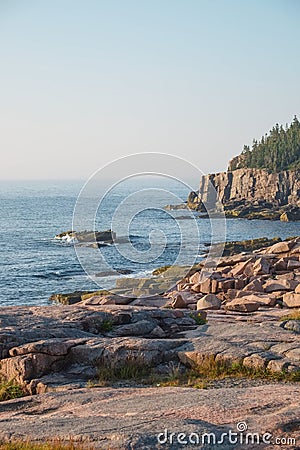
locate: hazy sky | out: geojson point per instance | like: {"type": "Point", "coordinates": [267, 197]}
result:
{"type": "Point", "coordinates": [84, 82]}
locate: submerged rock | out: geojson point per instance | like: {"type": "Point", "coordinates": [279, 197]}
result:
{"type": "Point", "coordinates": [175, 207]}
{"type": "Point", "coordinates": [108, 273]}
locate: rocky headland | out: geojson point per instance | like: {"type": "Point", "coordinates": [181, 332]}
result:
{"type": "Point", "coordinates": [237, 327]}
{"type": "Point", "coordinates": [250, 193]}
{"type": "Point", "coordinates": [262, 182]}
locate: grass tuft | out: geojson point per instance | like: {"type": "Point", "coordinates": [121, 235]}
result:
{"type": "Point", "coordinates": [106, 326]}
{"type": "Point", "coordinates": [293, 315]}
{"type": "Point", "coordinates": [133, 368]}
{"type": "Point", "coordinates": [211, 370]}
{"type": "Point", "coordinates": [198, 376]}
{"type": "Point", "coordinates": [10, 389]}
{"type": "Point", "coordinates": [198, 318]}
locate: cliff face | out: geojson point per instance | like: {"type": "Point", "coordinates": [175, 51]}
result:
{"type": "Point", "coordinates": [250, 186]}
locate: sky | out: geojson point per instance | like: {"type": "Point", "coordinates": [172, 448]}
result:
{"type": "Point", "coordinates": [84, 82]}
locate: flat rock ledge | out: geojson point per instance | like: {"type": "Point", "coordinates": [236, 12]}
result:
{"type": "Point", "coordinates": [54, 347]}
{"type": "Point", "coordinates": [106, 418]}
{"type": "Point", "coordinates": [53, 351]}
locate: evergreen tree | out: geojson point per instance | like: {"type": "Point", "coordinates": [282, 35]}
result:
{"type": "Point", "coordinates": [279, 150]}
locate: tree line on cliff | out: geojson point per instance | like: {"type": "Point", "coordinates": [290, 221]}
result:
{"type": "Point", "coordinates": [276, 151]}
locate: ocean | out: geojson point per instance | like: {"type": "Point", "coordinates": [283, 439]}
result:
{"type": "Point", "coordinates": [34, 265]}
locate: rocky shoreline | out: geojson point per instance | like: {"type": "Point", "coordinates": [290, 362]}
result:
{"type": "Point", "coordinates": [242, 313]}
{"type": "Point", "coordinates": [268, 276]}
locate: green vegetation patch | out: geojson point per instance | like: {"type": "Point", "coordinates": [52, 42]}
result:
{"type": "Point", "coordinates": [10, 389]}
{"type": "Point", "coordinates": [293, 315]}
{"type": "Point", "coordinates": [277, 151]}
{"type": "Point", "coordinates": [199, 376]}
{"type": "Point", "coordinates": [106, 326]}
{"type": "Point", "coordinates": [210, 370]}
{"type": "Point", "coordinates": [198, 318]}
{"type": "Point", "coordinates": [134, 367]}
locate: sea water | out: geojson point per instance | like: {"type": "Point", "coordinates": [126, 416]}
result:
{"type": "Point", "coordinates": [34, 265]}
